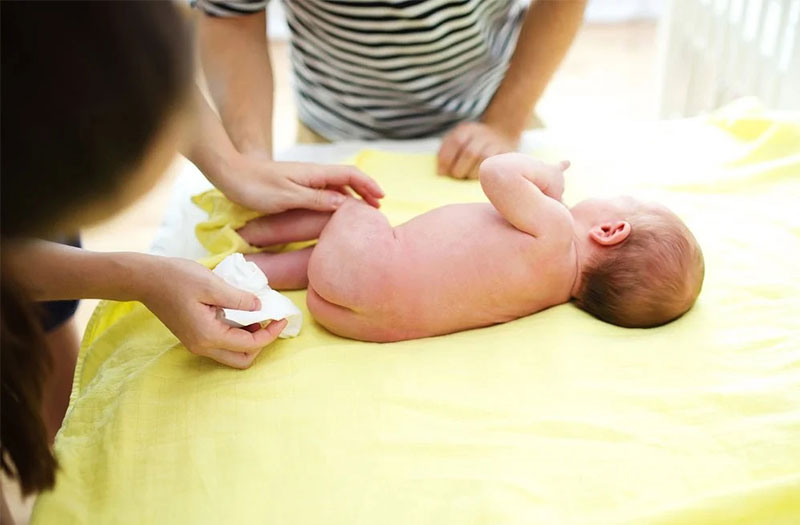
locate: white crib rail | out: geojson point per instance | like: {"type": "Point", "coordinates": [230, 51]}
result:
{"type": "Point", "coordinates": [713, 51]}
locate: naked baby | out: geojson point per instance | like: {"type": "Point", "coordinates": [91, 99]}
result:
{"type": "Point", "coordinates": [630, 263]}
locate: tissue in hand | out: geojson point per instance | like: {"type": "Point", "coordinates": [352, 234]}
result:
{"type": "Point", "coordinates": [238, 272]}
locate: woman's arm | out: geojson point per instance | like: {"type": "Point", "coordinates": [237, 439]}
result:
{"type": "Point", "coordinates": [237, 157]}
{"type": "Point", "coordinates": [549, 28]}
{"type": "Point", "coordinates": [547, 33]}
{"type": "Point", "coordinates": [49, 271]}
{"type": "Point", "coordinates": [238, 71]}
{"type": "Point", "coordinates": [256, 182]}
{"type": "Point", "coordinates": [183, 294]}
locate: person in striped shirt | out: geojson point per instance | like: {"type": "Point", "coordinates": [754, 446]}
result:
{"type": "Point", "coordinates": [471, 71]}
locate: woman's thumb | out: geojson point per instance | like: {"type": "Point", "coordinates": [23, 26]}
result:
{"type": "Point", "coordinates": [227, 296]}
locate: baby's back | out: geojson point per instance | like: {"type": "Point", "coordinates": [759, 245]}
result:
{"type": "Point", "coordinates": [457, 267]}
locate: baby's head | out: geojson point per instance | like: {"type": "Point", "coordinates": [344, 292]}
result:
{"type": "Point", "coordinates": [640, 265]}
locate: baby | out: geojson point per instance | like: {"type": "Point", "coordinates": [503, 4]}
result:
{"type": "Point", "coordinates": [462, 266]}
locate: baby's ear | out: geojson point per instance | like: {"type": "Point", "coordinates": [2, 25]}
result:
{"type": "Point", "coordinates": [610, 233]}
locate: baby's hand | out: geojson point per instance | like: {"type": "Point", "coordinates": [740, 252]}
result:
{"type": "Point", "coordinates": [553, 179]}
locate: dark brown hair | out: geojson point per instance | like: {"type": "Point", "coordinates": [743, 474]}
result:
{"type": "Point", "coordinates": [85, 88]}
{"type": "Point", "coordinates": [651, 278]}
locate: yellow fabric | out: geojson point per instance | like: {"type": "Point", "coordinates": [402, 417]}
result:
{"type": "Point", "coordinates": [218, 234]}
{"type": "Point", "coordinates": [554, 418]}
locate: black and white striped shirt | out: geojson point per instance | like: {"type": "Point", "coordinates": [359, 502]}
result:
{"type": "Point", "coordinates": [392, 68]}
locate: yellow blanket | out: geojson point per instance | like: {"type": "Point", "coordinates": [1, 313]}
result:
{"type": "Point", "coordinates": [554, 418]}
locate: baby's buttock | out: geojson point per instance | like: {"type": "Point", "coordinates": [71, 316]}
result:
{"type": "Point", "coordinates": [379, 306]}
{"type": "Point", "coordinates": [356, 268]}
{"type": "Point", "coordinates": [351, 263]}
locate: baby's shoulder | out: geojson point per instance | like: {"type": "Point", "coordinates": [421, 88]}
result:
{"type": "Point", "coordinates": [557, 232]}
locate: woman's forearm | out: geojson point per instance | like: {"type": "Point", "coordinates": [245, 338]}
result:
{"type": "Point", "coordinates": [238, 71]}
{"type": "Point", "coordinates": [211, 149]}
{"type": "Point", "coordinates": [49, 271]}
{"type": "Point", "coordinates": [546, 35]}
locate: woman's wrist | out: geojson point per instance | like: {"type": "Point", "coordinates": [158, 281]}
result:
{"type": "Point", "coordinates": [125, 276]}
{"type": "Point", "coordinates": [238, 171]}
{"type": "Point", "coordinates": [143, 275]}
{"type": "Point", "coordinates": [215, 162]}
{"type": "Point", "coordinates": [49, 271]}
{"type": "Point", "coordinates": [507, 123]}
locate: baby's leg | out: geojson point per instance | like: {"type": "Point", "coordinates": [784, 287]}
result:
{"type": "Point", "coordinates": [333, 317]}
{"type": "Point", "coordinates": [285, 270]}
{"type": "Point", "coordinates": [289, 226]}
{"type": "Point", "coordinates": [351, 265]}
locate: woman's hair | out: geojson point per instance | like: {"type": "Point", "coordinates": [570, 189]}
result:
{"type": "Point", "coordinates": [85, 88]}
{"type": "Point", "coordinates": [651, 278]}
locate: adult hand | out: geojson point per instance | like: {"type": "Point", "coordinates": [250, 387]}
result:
{"type": "Point", "coordinates": [185, 296]}
{"type": "Point", "coordinates": [271, 187]}
{"type": "Point", "coordinates": [467, 145]}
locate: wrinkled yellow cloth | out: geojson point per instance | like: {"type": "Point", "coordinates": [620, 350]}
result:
{"type": "Point", "coordinates": [218, 234]}
{"type": "Point", "coordinates": [554, 418]}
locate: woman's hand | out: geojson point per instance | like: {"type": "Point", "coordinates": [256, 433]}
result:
{"type": "Point", "coordinates": [271, 187]}
{"type": "Point", "coordinates": [467, 145]}
{"type": "Point", "coordinates": [185, 296]}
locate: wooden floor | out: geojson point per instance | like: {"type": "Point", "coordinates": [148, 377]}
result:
{"type": "Point", "coordinates": [609, 74]}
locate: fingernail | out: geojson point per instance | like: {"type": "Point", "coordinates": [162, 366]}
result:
{"type": "Point", "coordinates": [256, 303]}
{"type": "Point", "coordinates": [337, 200]}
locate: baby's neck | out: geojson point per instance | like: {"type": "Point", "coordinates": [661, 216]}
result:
{"type": "Point", "coordinates": [582, 247]}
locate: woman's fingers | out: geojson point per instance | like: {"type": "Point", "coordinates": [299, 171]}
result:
{"type": "Point", "coordinates": [344, 190]}
{"type": "Point", "coordinates": [224, 295]}
{"type": "Point", "coordinates": [452, 144]}
{"type": "Point", "coordinates": [331, 176]}
{"type": "Point", "coordinates": [240, 360]}
{"type": "Point", "coordinates": [368, 189]}
{"type": "Point", "coordinates": [241, 340]}
{"type": "Point", "coordinates": [318, 199]}
{"type": "Point", "coordinates": [255, 327]}
{"type": "Point", "coordinates": [468, 159]}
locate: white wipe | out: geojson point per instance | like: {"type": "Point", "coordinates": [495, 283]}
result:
{"type": "Point", "coordinates": [238, 272]}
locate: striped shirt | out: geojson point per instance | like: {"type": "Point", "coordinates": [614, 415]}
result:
{"type": "Point", "coordinates": [393, 68]}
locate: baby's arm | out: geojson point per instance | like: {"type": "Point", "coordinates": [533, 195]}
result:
{"type": "Point", "coordinates": [526, 192]}
{"type": "Point", "coordinates": [286, 270]}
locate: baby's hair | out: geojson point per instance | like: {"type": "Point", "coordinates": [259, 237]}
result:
{"type": "Point", "coordinates": [651, 278]}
